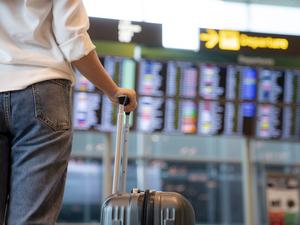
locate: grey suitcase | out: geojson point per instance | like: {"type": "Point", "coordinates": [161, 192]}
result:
{"type": "Point", "coordinates": [141, 207]}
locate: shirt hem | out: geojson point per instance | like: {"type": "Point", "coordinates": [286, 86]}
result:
{"type": "Point", "coordinates": [21, 85]}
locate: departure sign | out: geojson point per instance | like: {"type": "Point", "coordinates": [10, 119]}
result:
{"type": "Point", "coordinates": [235, 40]}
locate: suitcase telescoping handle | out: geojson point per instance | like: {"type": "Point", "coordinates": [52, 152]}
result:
{"type": "Point", "coordinates": [119, 158]}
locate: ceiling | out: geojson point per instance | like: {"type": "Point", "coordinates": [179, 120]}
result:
{"type": "Point", "coordinates": [291, 3]}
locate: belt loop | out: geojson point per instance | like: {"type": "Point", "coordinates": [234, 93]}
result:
{"type": "Point", "coordinates": [6, 104]}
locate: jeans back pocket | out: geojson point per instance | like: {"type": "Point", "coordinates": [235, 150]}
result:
{"type": "Point", "coordinates": [53, 103]}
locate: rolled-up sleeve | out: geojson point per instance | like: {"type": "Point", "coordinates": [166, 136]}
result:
{"type": "Point", "coordinates": [70, 25]}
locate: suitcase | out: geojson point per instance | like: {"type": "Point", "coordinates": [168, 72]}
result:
{"type": "Point", "coordinates": [140, 207]}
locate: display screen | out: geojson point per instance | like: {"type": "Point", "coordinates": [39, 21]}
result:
{"type": "Point", "coordinates": [182, 80]}
{"type": "Point", "coordinates": [291, 122]}
{"type": "Point", "coordinates": [108, 118]}
{"type": "Point", "coordinates": [233, 119]}
{"type": "Point", "coordinates": [269, 121]}
{"type": "Point", "coordinates": [292, 87]}
{"type": "Point", "coordinates": [249, 85]}
{"type": "Point", "coordinates": [180, 116]}
{"type": "Point", "coordinates": [172, 116]}
{"type": "Point", "coordinates": [277, 122]}
{"type": "Point", "coordinates": [121, 70]}
{"type": "Point", "coordinates": [212, 82]}
{"type": "Point", "coordinates": [152, 78]}
{"type": "Point", "coordinates": [150, 114]}
{"type": "Point", "coordinates": [188, 116]}
{"type": "Point", "coordinates": [210, 118]}
{"type": "Point", "coordinates": [270, 86]}
{"type": "Point", "coordinates": [241, 83]}
{"type": "Point", "coordinates": [82, 83]}
{"type": "Point", "coordinates": [86, 110]}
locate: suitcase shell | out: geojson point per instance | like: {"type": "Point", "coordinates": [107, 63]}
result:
{"type": "Point", "coordinates": [147, 208]}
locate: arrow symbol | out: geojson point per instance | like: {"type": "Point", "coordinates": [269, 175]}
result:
{"type": "Point", "coordinates": [211, 38]}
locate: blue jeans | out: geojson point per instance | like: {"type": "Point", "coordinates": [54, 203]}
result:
{"type": "Point", "coordinates": [35, 145]}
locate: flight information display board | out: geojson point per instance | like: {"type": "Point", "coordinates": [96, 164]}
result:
{"type": "Point", "coordinates": [177, 97]}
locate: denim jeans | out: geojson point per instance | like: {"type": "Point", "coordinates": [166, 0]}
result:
{"type": "Point", "coordinates": [35, 145]}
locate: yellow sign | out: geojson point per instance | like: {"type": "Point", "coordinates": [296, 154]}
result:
{"type": "Point", "coordinates": [234, 40]}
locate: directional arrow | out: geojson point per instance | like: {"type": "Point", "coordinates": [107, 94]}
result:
{"type": "Point", "coordinates": [211, 38]}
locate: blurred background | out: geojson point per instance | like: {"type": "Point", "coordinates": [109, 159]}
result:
{"type": "Point", "coordinates": [218, 85]}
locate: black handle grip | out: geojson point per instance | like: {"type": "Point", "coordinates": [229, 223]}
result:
{"type": "Point", "coordinates": [123, 100]}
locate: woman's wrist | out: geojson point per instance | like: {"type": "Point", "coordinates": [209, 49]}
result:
{"type": "Point", "coordinates": [112, 93]}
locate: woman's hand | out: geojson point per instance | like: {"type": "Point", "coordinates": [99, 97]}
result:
{"type": "Point", "coordinates": [130, 93]}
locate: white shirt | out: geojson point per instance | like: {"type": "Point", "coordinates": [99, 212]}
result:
{"type": "Point", "coordinates": [39, 39]}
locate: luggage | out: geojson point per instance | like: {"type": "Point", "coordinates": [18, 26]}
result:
{"type": "Point", "coordinates": [140, 207]}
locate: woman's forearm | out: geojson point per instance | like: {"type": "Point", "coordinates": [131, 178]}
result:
{"type": "Point", "coordinates": [91, 67]}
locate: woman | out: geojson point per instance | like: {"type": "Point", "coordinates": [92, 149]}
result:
{"type": "Point", "coordinates": [40, 42]}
